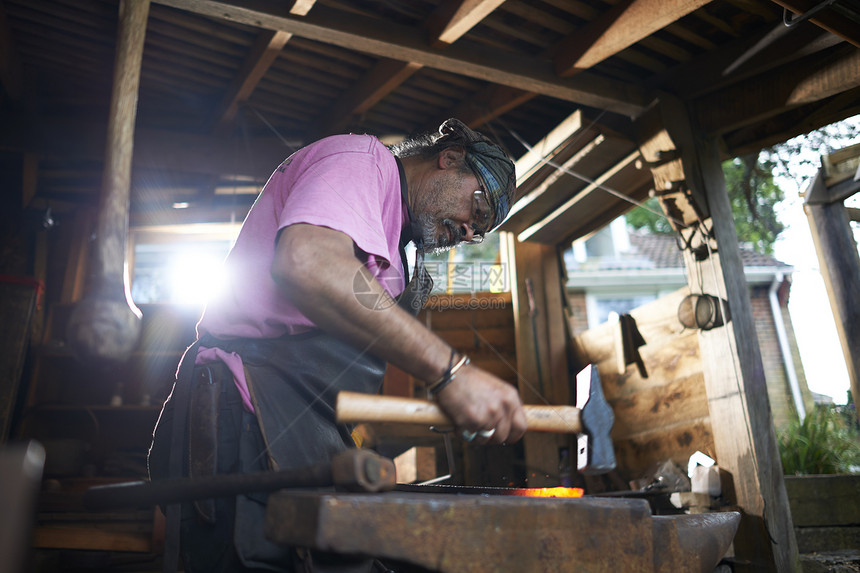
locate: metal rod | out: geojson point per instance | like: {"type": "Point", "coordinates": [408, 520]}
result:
{"type": "Point", "coordinates": [789, 21]}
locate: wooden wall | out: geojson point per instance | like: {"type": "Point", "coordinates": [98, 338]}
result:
{"type": "Point", "coordinates": [480, 325]}
{"type": "Point", "coordinates": [664, 416]}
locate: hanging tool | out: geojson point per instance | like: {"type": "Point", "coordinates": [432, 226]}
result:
{"type": "Point", "coordinates": [533, 317]}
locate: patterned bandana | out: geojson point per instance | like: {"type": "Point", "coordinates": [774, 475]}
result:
{"type": "Point", "coordinates": [496, 172]}
{"type": "Point", "coordinates": [490, 164]}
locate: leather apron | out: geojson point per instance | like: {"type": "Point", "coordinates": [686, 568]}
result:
{"type": "Point", "coordinates": [293, 381]}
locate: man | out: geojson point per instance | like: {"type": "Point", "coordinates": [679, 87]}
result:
{"type": "Point", "coordinates": [317, 302]}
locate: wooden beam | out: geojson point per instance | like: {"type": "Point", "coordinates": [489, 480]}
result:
{"type": "Point", "coordinates": [538, 376]}
{"type": "Point", "coordinates": [544, 230]}
{"type": "Point", "coordinates": [618, 28]}
{"type": "Point", "coordinates": [10, 66]}
{"type": "Point", "coordinates": [831, 18]}
{"type": "Point", "coordinates": [536, 193]}
{"type": "Point", "coordinates": [29, 178]}
{"type": "Point", "coordinates": [112, 230]}
{"type": "Point", "coordinates": [791, 123]}
{"type": "Point", "coordinates": [744, 435]}
{"type": "Point", "coordinates": [454, 18]}
{"type": "Point", "coordinates": [404, 43]}
{"type": "Point", "coordinates": [488, 104]}
{"type": "Point", "coordinates": [840, 267]}
{"type": "Point", "coordinates": [263, 54]}
{"type": "Point", "coordinates": [380, 81]}
{"type": "Point", "coordinates": [809, 80]}
{"type": "Point", "coordinates": [388, 74]}
{"type": "Point", "coordinates": [547, 148]}
{"type": "Point", "coordinates": [166, 150]}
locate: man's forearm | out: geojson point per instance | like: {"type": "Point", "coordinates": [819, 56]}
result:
{"type": "Point", "coordinates": [316, 269]}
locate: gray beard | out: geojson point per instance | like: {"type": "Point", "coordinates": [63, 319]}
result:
{"type": "Point", "coordinates": [432, 242]}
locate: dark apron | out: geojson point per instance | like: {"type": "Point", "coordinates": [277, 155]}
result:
{"type": "Point", "coordinates": [293, 381]}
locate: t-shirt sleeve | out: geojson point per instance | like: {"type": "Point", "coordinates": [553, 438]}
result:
{"type": "Point", "coordinates": [345, 192]}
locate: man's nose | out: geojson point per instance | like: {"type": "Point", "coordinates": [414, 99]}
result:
{"type": "Point", "coordinates": [468, 232]}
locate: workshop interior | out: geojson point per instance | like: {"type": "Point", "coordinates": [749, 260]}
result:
{"type": "Point", "coordinates": [135, 135]}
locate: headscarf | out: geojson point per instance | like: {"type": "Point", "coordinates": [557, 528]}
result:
{"type": "Point", "coordinates": [489, 163]}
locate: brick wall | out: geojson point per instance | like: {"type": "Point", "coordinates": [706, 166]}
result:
{"type": "Point", "coordinates": [778, 388]}
{"type": "Point", "coordinates": [578, 313]}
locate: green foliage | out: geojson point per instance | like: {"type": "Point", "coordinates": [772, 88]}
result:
{"type": "Point", "coordinates": [640, 218]}
{"type": "Point", "coordinates": [826, 442]}
{"type": "Point", "coordinates": [753, 195]}
{"type": "Point", "coordinates": [750, 183]}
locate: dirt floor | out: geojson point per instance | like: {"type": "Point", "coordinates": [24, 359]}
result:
{"type": "Point", "coordinates": [847, 561]}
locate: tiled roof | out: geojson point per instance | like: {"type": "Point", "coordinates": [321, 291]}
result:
{"type": "Point", "coordinates": [650, 251]}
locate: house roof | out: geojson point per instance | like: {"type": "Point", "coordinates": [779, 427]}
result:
{"type": "Point", "coordinates": [655, 257]}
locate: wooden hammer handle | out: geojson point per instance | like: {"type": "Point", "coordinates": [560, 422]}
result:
{"type": "Point", "coordinates": [355, 407]}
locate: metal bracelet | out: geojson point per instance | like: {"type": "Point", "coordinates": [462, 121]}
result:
{"type": "Point", "coordinates": [448, 376]}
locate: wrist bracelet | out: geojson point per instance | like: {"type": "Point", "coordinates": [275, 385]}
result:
{"type": "Point", "coordinates": [449, 374]}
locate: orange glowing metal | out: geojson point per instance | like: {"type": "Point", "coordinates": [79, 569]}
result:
{"type": "Point", "coordinates": [550, 492]}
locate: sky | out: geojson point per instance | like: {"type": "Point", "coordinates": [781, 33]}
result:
{"type": "Point", "coordinates": [809, 307]}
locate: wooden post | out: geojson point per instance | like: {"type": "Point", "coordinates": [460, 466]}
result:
{"type": "Point", "coordinates": [542, 370]}
{"type": "Point", "coordinates": [744, 436]}
{"type": "Point", "coordinates": [840, 268]}
{"type": "Point", "coordinates": [105, 325]}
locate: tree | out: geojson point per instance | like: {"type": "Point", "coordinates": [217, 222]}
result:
{"type": "Point", "coordinates": [752, 194]}
{"type": "Point", "coordinates": [753, 191]}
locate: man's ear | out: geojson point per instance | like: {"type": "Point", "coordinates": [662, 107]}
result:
{"type": "Point", "coordinates": [451, 157]}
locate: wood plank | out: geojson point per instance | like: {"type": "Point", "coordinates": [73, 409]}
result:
{"type": "Point", "coordinates": [454, 18]}
{"type": "Point", "coordinates": [380, 81]}
{"type": "Point", "coordinates": [840, 268]}
{"type": "Point", "coordinates": [831, 20]}
{"type": "Point", "coordinates": [548, 228]}
{"type": "Point", "coordinates": [744, 438]}
{"type": "Point", "coordinates": [536, 384]}
{"type": "Point", "coordinates": [548, 147]}
{"type": "Point", "coordinates": [579, 162]}
{"type": "Point", "coordinates": [824, 500]}
{"type": "Point", "coordinates": [638, 453]}
{"type": "Point", "coordinates": [263, 54]}
{"type": "Point", "coordinates": [91, 538]}
{"type": "Point", "coordinates": [488, 104]}
{"type": "Point", "coordinates": [618, 28]}
{"type": "Point", "coordinates": [490, 317]}
{"type": "Point", "coordinates": [809, 80]}
{"type": "Point", "coordinates": [673, 403]}
{"type": "Point", "coordinates": [405, 43]}
{"type": "Point", "coordinates": [10, 65]}
{"type": "Point", "coordinates": [389, 74]}
{"type": "Point", "coordinates": [500, 339]}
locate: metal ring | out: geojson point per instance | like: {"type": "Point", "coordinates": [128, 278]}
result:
{"type": "Point", "coordinates": [487, 433]}
{"type": "Point", "coordinates": [468, 436]}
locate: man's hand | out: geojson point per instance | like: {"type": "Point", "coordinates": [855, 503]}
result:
{"type": "Point", "coordinates": [315, 268]}
{"type": "Point", "coordinates": [478, 401]}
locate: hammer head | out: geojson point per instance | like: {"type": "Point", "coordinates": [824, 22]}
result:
{"type": "Point", "coordinates": [594, 451]}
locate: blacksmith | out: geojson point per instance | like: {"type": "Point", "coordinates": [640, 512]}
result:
{"type": "Point", "coordinates": [318, 300]}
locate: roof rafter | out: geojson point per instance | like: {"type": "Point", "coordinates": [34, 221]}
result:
{"type": "Point", "coordinates": [262, 55]}
{"type": "Point", "coordinates": [10, 67]}
{"type": "Point", "coordinates": [454, 18]}
{"type": "Point", "coordinates": [812, 79]}
{"type": "Point", "coordinates": [619, 28]}
{"type": "Point", "coordinates": [401, 42]}
{"type": "Point", "coordinates": [451, 20]}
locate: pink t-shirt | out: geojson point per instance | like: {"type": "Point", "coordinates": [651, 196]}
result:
{"type": "Point", "coordinates": [349, 183]}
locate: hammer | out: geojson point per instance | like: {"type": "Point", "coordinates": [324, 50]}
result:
{"type": "Point", "coordinates": [591, 418]}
